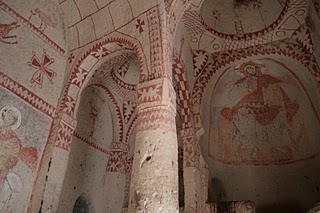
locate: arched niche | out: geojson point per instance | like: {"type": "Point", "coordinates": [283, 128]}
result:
{"type": "Point", "coordinates": [89, 152]}
{"type": "Point", "coordinates": [122, 78]}
{"type": "Point", "coordinates": [263, 135]}
{"type": "Point", "coordinates": [82, 205]}
{"type": "Point", "coordinates": [126, 75]}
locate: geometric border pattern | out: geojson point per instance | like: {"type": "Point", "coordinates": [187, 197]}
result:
{"type": "Point", "coordinates": [292, 50]}
{"type": "Point", "coordinates": [26, 95]}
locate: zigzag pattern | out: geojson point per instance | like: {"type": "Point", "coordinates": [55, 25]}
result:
{"type": "Point", "coordinates": [117, 109]}
{"type": "Point", "coordinates": [64, 136]}
{"type": "Point", "coordinates": [90, 143]}
{"type": "Point", "coordinates": [128, 108]}
{"type": "Point", "coordinates": [25, 94]}
{"type": "Point", "coordinates": [133, 124]}
{"type": "Point", "coordinates": [176, 11]}
{"type": "Point", "coordinates": [156, 120]}
{"type": "Point", "coordinates": [122, 42]}
{"type": "Point", "coordinates": [122, 83]}
{"type": "Point", "coordinates": [303, 36]}
{"type": "Point", "coordinates": [155, 37]}
{"type": "Point", "coordinates": [293, 50]}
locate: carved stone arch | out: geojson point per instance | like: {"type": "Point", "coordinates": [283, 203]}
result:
{"type": "Point", "coordinates": [91, 60]}
{"type": "Point", "coordinates": [175, 10]}
{"type": "Point", "coordinates": [220, 60]}
{"type": "Point", "coordinates": [115, 112]}
{"type": "Point", "coordinates": [64, 123]}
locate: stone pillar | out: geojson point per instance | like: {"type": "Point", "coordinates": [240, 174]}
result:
{"type": "Point", "coordinates": [116, 177]}
{"type": "Point", "coordinates": [61, 136]}
{"type": "Point", "coordinates": [204, 182]}
{"type": "Point", "coordinates": [154, 180]}
{"type": "Point", "coordinates": [191, 172]}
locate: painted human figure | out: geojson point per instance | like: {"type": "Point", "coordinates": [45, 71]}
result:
{"type": "Point", "coordinates": [11, 151]}
{"type": "Point", "coordinates": [258, 119]}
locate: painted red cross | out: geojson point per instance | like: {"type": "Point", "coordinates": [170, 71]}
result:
{"type": "Point", "coordinates": [139, 25]}
{"type": "Point", "coordinates": [41, 68]}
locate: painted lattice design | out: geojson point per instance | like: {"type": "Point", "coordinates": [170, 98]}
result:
{"type": "Point", "coordinates": [183, 96]}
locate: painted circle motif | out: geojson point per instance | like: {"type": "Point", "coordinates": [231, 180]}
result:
{"type": "Point", "coordinates": [10, 116]}
{"type": "Point", "coordinates": [280, 33]}
{"type": "Point", "coordinates": [229, 19]}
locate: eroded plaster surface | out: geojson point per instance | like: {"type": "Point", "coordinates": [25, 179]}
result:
{"type": "Point", "coordinates": [148, 106]}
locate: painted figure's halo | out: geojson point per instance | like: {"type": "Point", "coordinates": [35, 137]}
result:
{"type": "Point", "coordinates": [15, 112]}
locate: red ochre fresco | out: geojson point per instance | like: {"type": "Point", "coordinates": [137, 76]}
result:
{"type": "Point", "coordinates": [240, 134]}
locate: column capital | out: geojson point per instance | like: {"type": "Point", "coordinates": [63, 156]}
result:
{"type": "Point", "coordinates": [64, 126]}
{"type": "Point", "coordinates": [156, 94]}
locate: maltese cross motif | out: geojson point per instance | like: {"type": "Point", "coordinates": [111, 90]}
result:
{"type": "Point", "coordinates": [41, 68]}
{"type": "Point", "coordinates": [139, 25]}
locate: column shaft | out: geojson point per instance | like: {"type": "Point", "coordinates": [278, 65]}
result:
{"type": "Point", "coordinates": [154, 180]}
